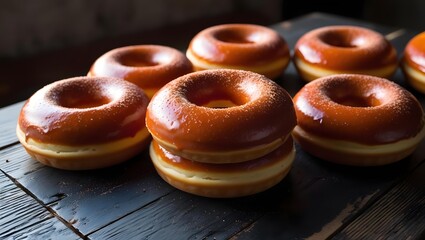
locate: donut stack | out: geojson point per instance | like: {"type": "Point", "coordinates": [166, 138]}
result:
{"type": "Point", "coordinates": [222, 133]}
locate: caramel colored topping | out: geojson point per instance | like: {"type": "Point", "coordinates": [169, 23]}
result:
{"type": "Point", "coordinates": [345, 48]}
{"type": "Point", "coordinates": [84, 110]}
{"type": "Point", "coordinates": [358, 108]}
{"type": "Point", "coordinates": [148, 66]}
{"type": "Point", "coordinates": [239, 45]}
{"type": "Point", "coordinates": [414, 54]}
{"type": "Point", "coordinates": [262, 111]}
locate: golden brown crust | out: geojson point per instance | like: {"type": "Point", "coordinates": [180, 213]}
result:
{"type": "Point", "coordinates": [85, 157]}
{"type": "Point", "coordinates": [354, 154]}
{"type": "Point", "coordinates": [148, 66]}
{"type": "Point", "coordinates": [346, 49]}
{"type": "Point", "coordinates": [239, 46]}
{"type": "Point", "coordinates": [263, 111]}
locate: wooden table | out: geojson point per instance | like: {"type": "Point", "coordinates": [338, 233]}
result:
{"type": "Point", "coordinates": [317, 200]}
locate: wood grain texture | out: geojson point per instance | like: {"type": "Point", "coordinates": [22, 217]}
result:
{"type": "Point", "coordinates": [182, 216]}
{"type": "Point", "coordinates": [21, 217]}
{"type": "Point", "coordinates": [9, 117]}
{"type": "Point", "coordinates": [400, 214]}
{"type": "Point", "coordinates": [88, 200]}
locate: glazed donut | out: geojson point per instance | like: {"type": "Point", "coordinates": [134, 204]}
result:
{"type": "Point", "coordinates": [148, 66]}
{"type": "Point", "coordinates": [240, 46]}
{"type": "Point", "coordinates": [413, 62]}
{"type": "Point", "coordinates": [344, 49]}
{"type": "Point", "coordinates": [84, 123]}
{"type": "Point", "coordinates": [221, 116]}
{"type": "Point", "coordinates": [224, 180]}
{"type": "Point", "coordinates": [358, 120]}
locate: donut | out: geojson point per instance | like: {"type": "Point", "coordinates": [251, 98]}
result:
{"type": "Point", "coordinates": [148, 66]}
{"type": "Point", "coordinates": [357, 120]}
{"type": "Point", "coordinates": [222, 133]}
{"type": "Point", "coordinates": [344, 49]}
{"type": "Point", "coordinates": [239, 46]}
{"type": "Point", "coordinates": [413, 62]}
{"type": "Point", "coordinates": [84, 123]}
{"type": "Point", "coordinates": [221, 116]}
{"type": "Point", "coordinates": [224, 180]}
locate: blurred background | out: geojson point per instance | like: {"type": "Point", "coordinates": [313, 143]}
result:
{"type": "Point", "coordinates": [46, 40]}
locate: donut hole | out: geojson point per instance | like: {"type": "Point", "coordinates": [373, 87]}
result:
{"type": "Point", "coordinates": [354, 98]}
{"type": "Point", "coordinates": [81, 97]}
{"type": "Point", "coordinates": [232, 36]}
{"type": "Point", "coordinates": [217, 98]}
{"type": "Point", "coordinates": [340, 39]}
{"type": "Point", "coordinates": [138, 59]}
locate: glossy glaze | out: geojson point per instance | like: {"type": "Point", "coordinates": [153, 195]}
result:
{"type": "Point", "coordinates": [148, 66]}
{"type": "Point", "coordinates": [84, 110]}
{"type": "Point", "coordinates": [345, 48]}
{"type": "Point", "coordinates": [414, 53]}
{"type": "Point", "coordinates": [358, 108]}
{"type": "Point", "coordinates": [263, 111]}
{"type": "Point", "coordinates": [239, 44]}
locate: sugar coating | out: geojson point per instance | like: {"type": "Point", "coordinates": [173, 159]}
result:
{"type": "Point", "coordinates": [266, 114]}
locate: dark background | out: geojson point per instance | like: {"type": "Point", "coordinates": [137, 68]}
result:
{"type": "Point", "coordinates": [47, 40]}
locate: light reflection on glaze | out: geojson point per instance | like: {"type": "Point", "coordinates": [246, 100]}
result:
{"type": "Point", "coordinates": [265, 45]}
{"type": "Point", "coordinates": [305, 107]}
{"type": "Point", "coordinates": [44, 119]}
{"type": "Point", "coordinates": [414, 53]}
{"type": "Point", "coordinates": [393, 114]}
{"type": "Point", "coordinates": [165, 65]}
{"type": "Point", "coordinates": [311, 55]}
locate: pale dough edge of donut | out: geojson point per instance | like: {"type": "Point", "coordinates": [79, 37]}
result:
{"type": "Point", "coordinates": [222, 185]}
{"type": "Point", "coordinates": [240, 155]}
{"type": "Point", "coordinates": [415, 78]}
{"type": "Point", "coordinates": [358, 154]}
{"type": "Point", "coordinates": [271, 70]}
{"type": "Point", "coordinates": [309, 72]}
{"type": "Point", "coordinates": [87, 156]}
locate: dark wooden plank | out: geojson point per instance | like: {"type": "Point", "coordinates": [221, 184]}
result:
{"type": "Point", "coordinates": [182, 216]}
{"type": "Point", "coordinates": [400, 214]}
{"type": "Point", "coordinates": [49, 229]}
{"type": "Point", "coordinates": [323, 198]}
{"type": "Point", "coordinates": [87, 199]}
{"type": "Point", "coordinates": [9, 117]}
{"type": "Point", "coordinates": [22, 217]}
